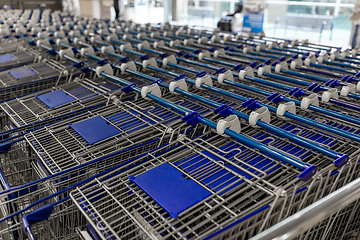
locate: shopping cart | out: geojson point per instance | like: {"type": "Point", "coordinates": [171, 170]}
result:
{"type": "Point", "coordinates": [338, 210]}
{"type": "Point", "coordinates": [142, 131]}
{"type": "Point", "coordinates": [265, 86]}
{"type": "Point", "coordinates": [301, 79]}
{"type": "Point", "coordinates": [8, 46]}
{"type": "Point", "coordinates": [18, 58]}
{"type": "Point", "coordinates": [314, 74]}
{"type": "Point", "coordinates": [244, 186]}
{"type": "Point", "coordinates": [33, 77]}
{"type": "Point", "coordinates": [139, 140]}
{"type": "Point", "coordinates": [125, 124]}
{"type": "Point", "coordinates": [32, 112]}
{"type": "Point", "coordinates": [166, 79]}
{"type": "Point", "coordinates": [156, 73]}
{"type": "Point", "coordinates": [304, 189]}
{"type": "Point", "coordinates": [356, 113]}
{"type": "Point", "coordinates": [220, 170]}
{"type": "Point", "coordinates": [55, 188]}
{"type": "Point", "coordinates": [56, 103]}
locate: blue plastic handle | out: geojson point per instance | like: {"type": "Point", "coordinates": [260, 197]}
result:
{"type": "Point", "coordinates": [341, 65]}
{"type": "Point", "coordinates": [245, 56]}
{"type": "Point", "coordinates": [276, 52]}
{"type": "Point", "coordinates": [260, 54]}
{"type": "Point", "coordinates": [346, 60]}
{"type": "Point", "coordinates": [308, 170]}
{"type": "Point", "coordinates": [267, 126]}
{"type": "Point", "coordinates": [290, 50]}
{"type": "Point", "coordinates": [311, 107]}
{"type": "Point", "coordinates": [304, 75]}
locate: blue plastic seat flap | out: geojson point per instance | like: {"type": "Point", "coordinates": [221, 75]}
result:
{"type": "Point", "coordinates": [95, 129]}
{"type": "Point", "coordinates": [55, 99]}
{"type": "Point", "coordinates": [6, 58]}
{"type": "Point", "coordinates": [169, 188]}
{"type": "Point", "coordinates": [22, 73]}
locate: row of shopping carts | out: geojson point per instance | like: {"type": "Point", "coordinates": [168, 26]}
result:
{"type": "Point", "coordinates": [115, 130]}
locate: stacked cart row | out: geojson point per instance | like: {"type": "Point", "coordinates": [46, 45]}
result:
{"type": "Point", "coordinates": [116, 130]}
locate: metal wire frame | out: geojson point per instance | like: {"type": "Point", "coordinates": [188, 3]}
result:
{"type": "Point", "coordinates": [55, 188]}
{"type": "Point", "coordinates": [31, 106]}
{"type": "Point", "coordinates": [332, 142]}
{"type": "Point", "coordinates": [42, 70]}
{"type": "Point", "coordinates": [15, 166]}
{"type": "Point", "coordinates": [334, 227]}
{"type": "Point", "coordinates": [9, 46]}
{"type": "Point", "coordinates": [63, 223]}
{"type": "Point", "coordinates": [334, 107]}
{"type": "Point", "coordinates": [20, 58]}
{"type": "Point", "coordinates": [341, 225]}
{"type": "Point", "coordinates": [279, 143]}
{"type": "Point", "coordinates": [29, 109]}
{"type": "Point", "coordinates": [320, 138]}
{"type": "Point", "coordinates": [59, 147]}
{"type": "Point", "coordinates": [117, 208]}
{"type": "Point", "coordinates": [298, 198]}
{"type": "Point", "coordinates": [49, 73]}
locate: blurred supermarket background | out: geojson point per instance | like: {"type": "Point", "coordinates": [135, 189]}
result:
{"type": "Point", "coordinates": [283, 18]}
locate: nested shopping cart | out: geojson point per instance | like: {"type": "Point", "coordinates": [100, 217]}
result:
{"type": "Point", "coordinates": [73, 142]}
{"type": "Point", "coordinates": [18, 58]}
{"type": "Point", "coordinates": [34, 77]}
{"type": "Point", "coordinates": [59, 145]}
{"type": "Point", "coordinates": [130, 129]}
{"type": "Point", "coordinates": [142, 203]}
{"type": "Point", "coordinates": [156, 73]}
{"type": "Point", "coordinates": [192, 190]}
{"type": "Point", "coordinates": [294, 191]}
{"type": "Point", "coordinates": [54, 189]}
{"type": "Point", "coordinates": [56, 103]}
{"type": "Point", "coordinates": [333, 217]}
{"type": "Point", "coordinates": [265, 87]}
{"type": "Point", "coordinates": [234, 99]}
{"type": "Point", "coordinates": [44, 108]}
{"type": "Point", "coordinates": [9, 46]}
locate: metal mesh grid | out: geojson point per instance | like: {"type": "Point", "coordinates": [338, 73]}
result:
{"type": "Point", "coordinates": [295, 200]}
{"type": "Point", "coordinates": [29, 109]}
{"type": "Point", "coordinates": [303, 198]}
{"type": "Point", "coordinates": [333, 107]}
{"type": "Point", "coordinates": [60, 147]}
{"type": "Point", "coordinates": [52, 189]}
{"type": "Point", "coordinates": [8, 47]}
{"type": "Point", "coordinates": [122, 204]}
{"type": "Point", "coordinates": [20, 58]}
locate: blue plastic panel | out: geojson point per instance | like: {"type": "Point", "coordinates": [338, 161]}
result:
{"type": "Point", "coordinates": [94, 129]}
{"type": "Point", "coordinates": [22, 73]}
{"type": "Point", "coordinates": [169, 188]}
{"type": "Point", "coordinates": [55, 99]}
{"type": "Point", "coordinates": [6, 58]}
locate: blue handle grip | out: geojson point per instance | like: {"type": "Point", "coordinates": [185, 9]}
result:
{"type": "Point", "coordinates": [341, 65]}
{"type": "Point", "coordinates": [274, 129]}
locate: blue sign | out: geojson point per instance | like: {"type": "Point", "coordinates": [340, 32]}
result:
{"type": "Point", "coordinates": [253, 22]}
